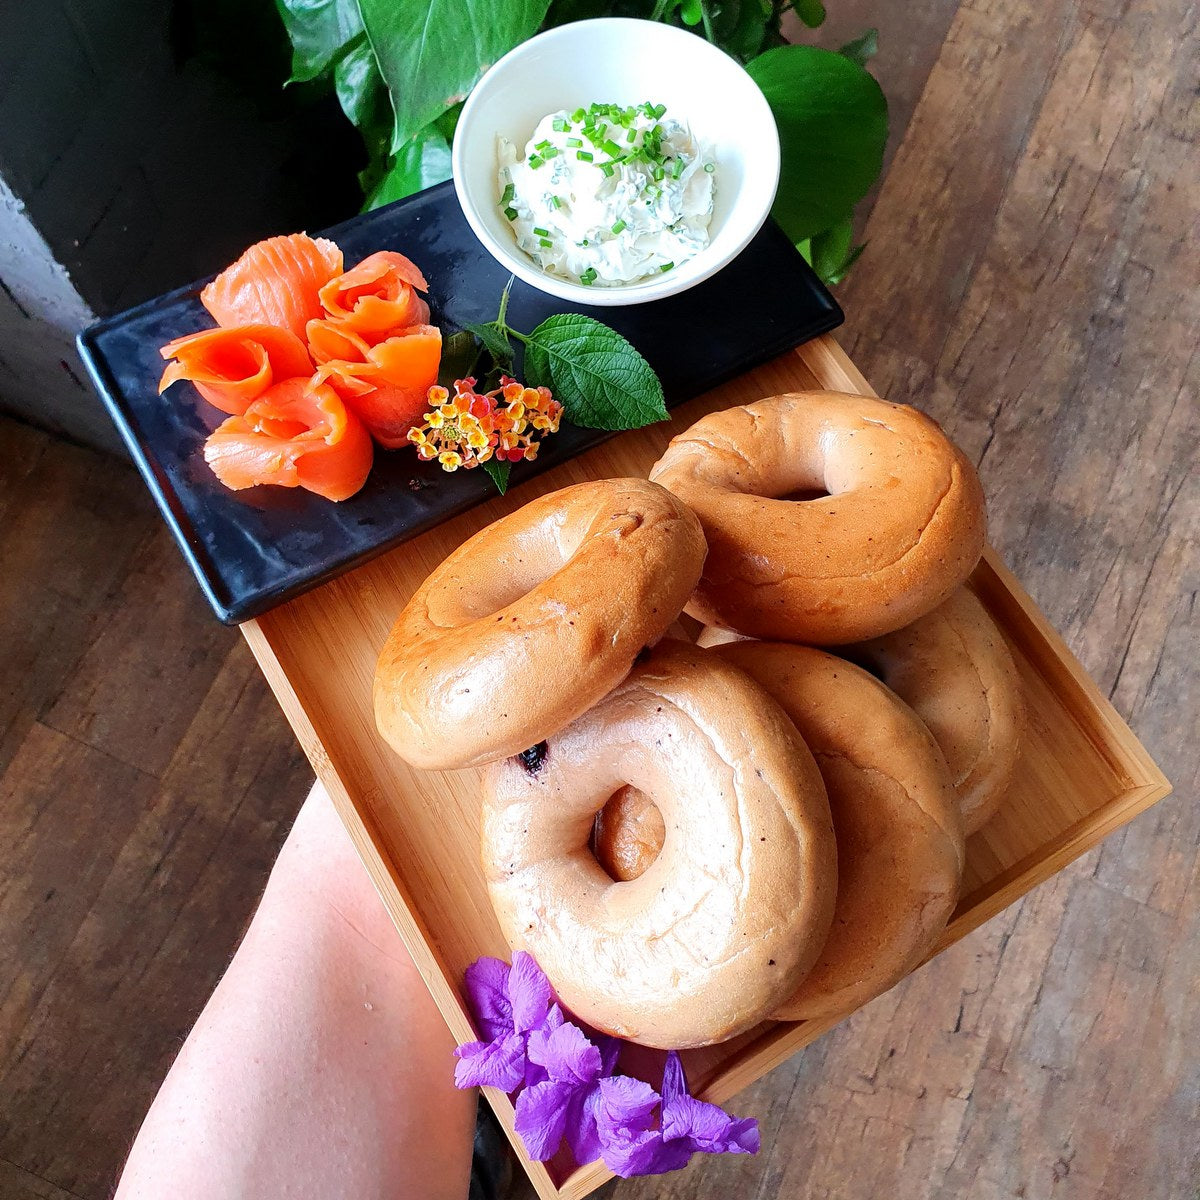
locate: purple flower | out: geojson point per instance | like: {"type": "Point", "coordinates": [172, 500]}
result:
{"type": "Point", "coordinates": [564, 1104]}
{"type": "Point", "coordinates": [509, 1004]}
{"type": "Point", "coordinates": [567, 1089]}
{"type": "Point", "coordinates": [634, 1143]}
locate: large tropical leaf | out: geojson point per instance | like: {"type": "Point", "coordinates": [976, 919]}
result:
{"type": "Point", "coordinates": [432, 52]}
{"type": "Point", "coordinates": [320, 32]}
{"type": "Point", "coordinates": [832, 121]}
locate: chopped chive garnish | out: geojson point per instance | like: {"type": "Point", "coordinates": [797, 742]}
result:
{"type": "Point", "coordinates": [619, 226]}
{"type": "Point", "coordinates": [589, 276]}
{"type": "Point", "coordinates": [542, 146]}
{"type": "Point", "coordinates": [574, 143]}
{"type": "Point", "coordinates": [545, 242]}
{"type": "Point", "coordinates": [611, 149]}
{"type": "Point", "coordinates": [536, 161]}
{"type": "Point", "coordinates": [554, 202]}
{"type": "Point", "coordinates": [540, 231]}
{"type": "Point", "coordinates": [666, 266]}
{"type": "Point", "coordinates": [584, 155]}
{"type": "Point", "coordinates": [659, 110]}
{"type": "Point", "coordinates": [658, 174]}
{"type": "Point", "coordinates": [509, 193]}
{"type": "Point", "coordinates": [709, 168]}
{"type": "Point", "coordinates": [631, 136]}
{"type": "Point", "coordinates": [607, 168]}
{"type": "Point", "coordinates": [510, 213]}
{"type": "Point", "coordinates": [560, 125]}
{"type": "Point", "coordinates": [578, 115]}
{"type": "Point", "coordinates": [583, 243]}
{"type": "Point", "coordinates": [550, 152]}
{"type": "Point", "coordinates": [677, 168]}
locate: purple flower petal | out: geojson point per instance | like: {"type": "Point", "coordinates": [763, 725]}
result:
{"type": "Point", "coordinates": [625, 1108]}
{"type": "Point", "coordinates": [491, 1064]}
{"type": "Point", "coordinates": [674, 1083]}
{"type": "Point", "coordinates": [486, 980]}
{"type": "Point", "coordinates": [580, 1129]}
{"type": "Point", "coordinates": [610, 1049]}
{"type": "Point", "coordinates": [541, 1115]}
{"type": "Point", "coordinates": [566, 1054]}
{"type": "Point", "coordinates": [529, 991]}
{"type": "Point", "coordinates": [708, 1127]}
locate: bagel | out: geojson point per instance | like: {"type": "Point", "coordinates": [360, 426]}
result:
{"type": "Point", "coordinates": [729, 916]}
{"type": "Point", "coordinates": [953, 668]}
{"type": "Point", "coordinates": [897, 525]}
{"type": "Point", "coordinates": [531, 621]}
{"type": "Point", "coordinates": [899, 833]}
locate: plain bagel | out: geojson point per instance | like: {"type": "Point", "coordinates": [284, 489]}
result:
{"type": "Point", "coordinates": [899, 836]}
{"type": "Point", "coordinates": [531, 621]}
{"type": "Point", "coordinates": [894, 524]}
{"type": "Point", "coordinates": [953, 668]}
{"type": "Point", "coordinates": [730, 915]}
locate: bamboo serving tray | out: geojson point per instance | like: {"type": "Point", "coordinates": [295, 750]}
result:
{"type": "Point", "coordinates": [1082, 775]}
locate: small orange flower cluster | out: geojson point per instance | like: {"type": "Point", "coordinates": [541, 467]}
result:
{"type": "Point", "coordinates": [470, 427]}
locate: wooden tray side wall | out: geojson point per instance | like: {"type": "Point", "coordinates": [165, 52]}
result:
{"type": "Point", "coordinates": [1082, 774]}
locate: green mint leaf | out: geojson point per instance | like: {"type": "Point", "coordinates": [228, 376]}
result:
{"type": "Point", "coordinates": [460, 354]}
{"type": "Point", "coordinates": [601, 381]}
{"type": "Point", "coordinates": [498, 473]}
{"type": "Point", "coordinates": [863, 48]}
{"type": "Point", "coordinates": [495, 341]}
{"type": "Point", "coordinates": [832, 121]}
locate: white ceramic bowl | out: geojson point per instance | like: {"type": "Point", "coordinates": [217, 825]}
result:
{"type": "Point", "coordinates": [615, 60]}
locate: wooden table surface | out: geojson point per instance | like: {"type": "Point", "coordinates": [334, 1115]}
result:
{"type": "Point", "coordinates": [1032, 280]}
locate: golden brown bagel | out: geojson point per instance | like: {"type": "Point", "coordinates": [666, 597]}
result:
{"type": "Point", "coordinates": [531, 621]}
{"type": "Point", "coordinates": [731, 914]}
{"type": "Point", "coordinates": [901, 527]}
{"type": "Point", "coordinates": [900, 842]}
{"type": "Point", "coordinates": [953, 669]}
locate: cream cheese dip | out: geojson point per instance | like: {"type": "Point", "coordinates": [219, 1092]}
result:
{"type": "Point", "coordinates": [608, 195]}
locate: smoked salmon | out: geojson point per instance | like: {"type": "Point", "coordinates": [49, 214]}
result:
{"type": "Point", "coordinates": [276, 282]}
{"type": "Point", "coordinates": [232, 367]}
{"type": "Point", "coordinates": [296, 434]}
{"type": "Point", "coordinates": [388, 387]}
{"type": "Point", "coordinates": [378, 296]}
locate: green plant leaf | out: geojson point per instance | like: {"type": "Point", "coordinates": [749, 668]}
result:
{"type": "Point", "coordinates": [364, 97]}
{"type": "Point", "coordinates": [811, 12]}
{"type": "Point", "coordinates": [320, 31]}
{"type": "Point", "coordinates": [863, 48]}
{"type": "Point", "coordinates": [832, 121]}
{"type": "Point", "coordinates": [432, 52]}
{"type": "Point", "coordinates": [740, 26]}
{"type": "Point", "coordinates": [460, 355]}
{"type": "Point", "coordinates": [495, 341]}
{"type": "Point", "coordinates": [601, 381]}
{"type": "Point", "coordinates": [832, 252]}
{"type": "Point", "coordinates": [498, 472]}
{"type": "Point", "coordinates": [420, 163]}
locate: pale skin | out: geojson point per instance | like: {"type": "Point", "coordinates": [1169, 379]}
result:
{"type": "Point", "coordinates": [320, 1066]}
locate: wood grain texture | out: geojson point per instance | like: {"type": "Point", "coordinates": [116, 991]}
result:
{"type": "Point", "coordinates": [1031, 279]}
{"type": "Point", "coordinates": [136, 842]}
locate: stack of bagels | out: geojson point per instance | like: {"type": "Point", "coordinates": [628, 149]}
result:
{"type": "Point", "coordinates": [693, 837]}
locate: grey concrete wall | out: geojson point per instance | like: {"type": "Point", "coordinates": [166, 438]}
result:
{"type": "Point", "coordinates": [40, 312]}
{"type": "Point", "coordinates": [127, 173]}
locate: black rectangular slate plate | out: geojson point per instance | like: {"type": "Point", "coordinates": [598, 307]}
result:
{"type": "Point", "coordinates": [254, 549]}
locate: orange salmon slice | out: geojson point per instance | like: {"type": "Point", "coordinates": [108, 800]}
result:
{"type": "Point", "coordinates": [276, 282]}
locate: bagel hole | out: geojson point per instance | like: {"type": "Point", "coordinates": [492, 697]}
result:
{"type": "Point", "coordinates": [627, 834]}
{"type": "Point", "coordinates": [805, 494]}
